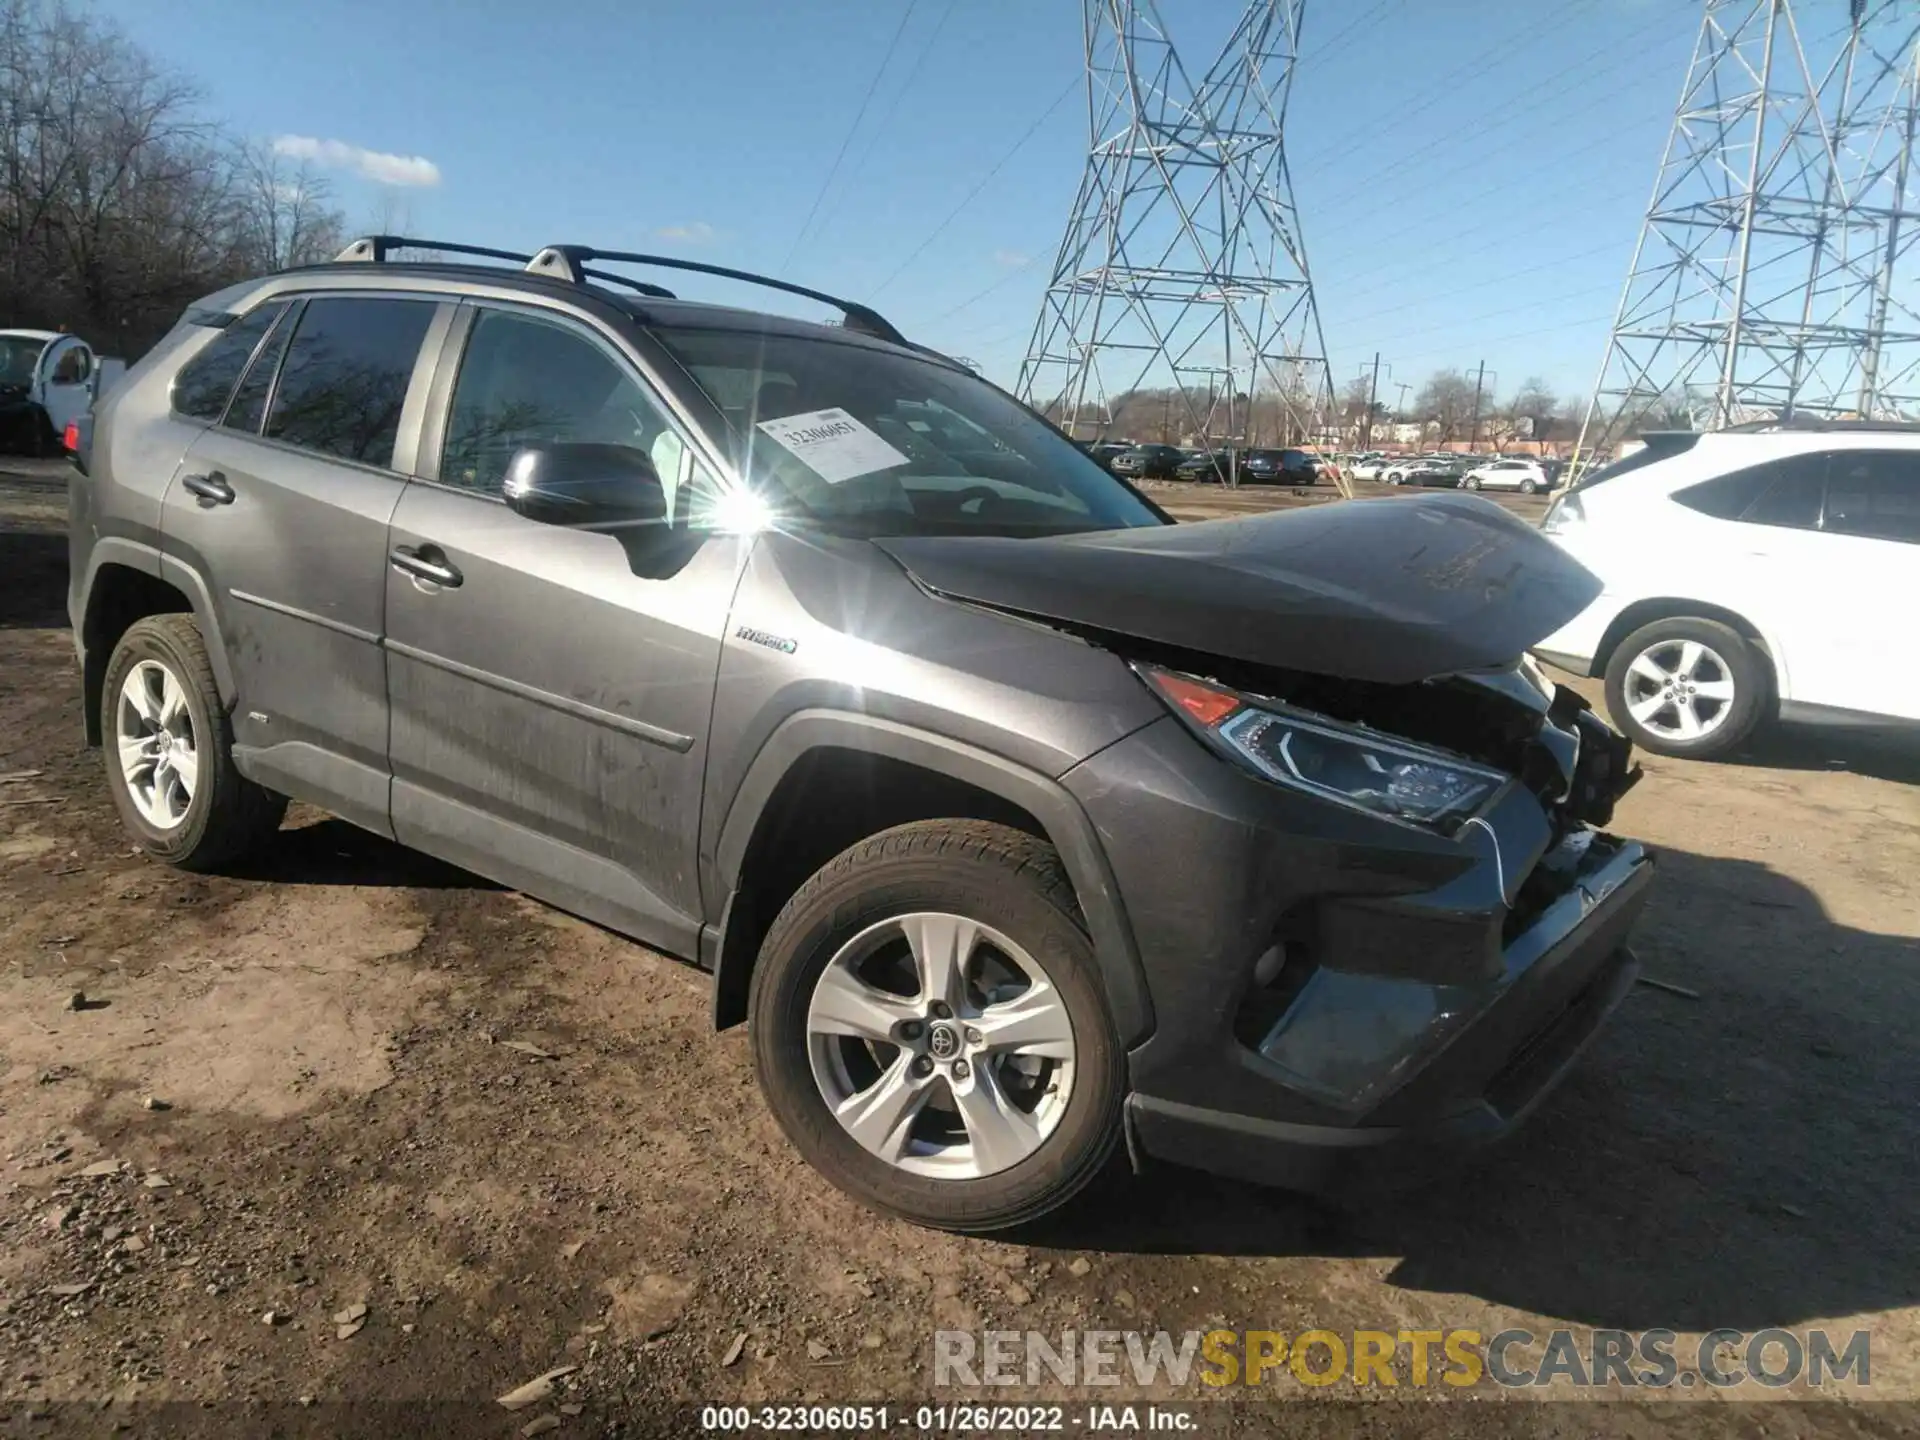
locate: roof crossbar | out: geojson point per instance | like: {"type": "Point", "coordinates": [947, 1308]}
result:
{"type": "Point", "coordinates": [378, 250]}
{"type": "Point", "coordinates": [569, 262]}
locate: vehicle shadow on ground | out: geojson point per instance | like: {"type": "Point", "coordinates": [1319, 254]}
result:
{"type": "Point", "coordinates": [332, 852]}
{"type": "Point", "coordinates": [33, 579]}
{"type": "Point", "coordinates": [1744, 1159]}
{"type": "Point", "coordinates": [1883, 755]}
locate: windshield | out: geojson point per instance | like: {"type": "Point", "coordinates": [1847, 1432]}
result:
{"type": "Point", "coordinates": [18, 357]}
{"type": "Point", "coordinates": [874, 442]}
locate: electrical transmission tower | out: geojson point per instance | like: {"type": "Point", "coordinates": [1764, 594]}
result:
{"type": "Point", "coordinates": [1771, 275]}
{"type": "Point", "coordinates": [1182, 264]}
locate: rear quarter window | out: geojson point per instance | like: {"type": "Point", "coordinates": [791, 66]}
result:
{"type": "Point", "coordinates": [1782, 492]}
{"type": "Point", "coordinates": [204, 384]}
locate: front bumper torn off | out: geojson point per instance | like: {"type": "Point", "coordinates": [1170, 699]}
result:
{"type": "Point", "coordinates": [1467, 1080]}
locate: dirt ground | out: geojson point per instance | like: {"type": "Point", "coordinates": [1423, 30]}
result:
{"type": "Point", "coordinates": [511, 1137]}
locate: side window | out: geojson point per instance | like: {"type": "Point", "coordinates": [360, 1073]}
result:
{"type": "Point", "coordinates": [346, 374]}
{"type": "Point", "coordinates": [73, 366]}
{"type": "Point", "coordinates": [529, 381]}
{"type": "Point", "coordinates": [1782, 492]}
{"type": "Point", "coordinates": [201, 388]}
{"type": "Point", "coordinates": [1874, 494]}
{"type": "Point", "coordinates": [1793, 499]}
{"type": "Point", "coordinates": [249, 405]}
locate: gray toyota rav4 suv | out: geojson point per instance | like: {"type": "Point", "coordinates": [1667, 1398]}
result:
{"type": "Point", "coordinates": [1015, 819]}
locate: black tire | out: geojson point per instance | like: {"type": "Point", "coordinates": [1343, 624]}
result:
{"type": "Point", "coordinates": [1470, 483]}
{"type": "Point", "coordinates": [1002, 877]}
{"type": "Point", "coordinates": [1527, 487]}
{"type": "Point", "coordinates": [1743, 665]}
{"type": "Point", "coordinates": [228, 815]}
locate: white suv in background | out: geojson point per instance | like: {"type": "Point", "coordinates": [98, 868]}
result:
{"type": "Point", "coordinates": [1526, 476]}
{"type": "Point", "coordinates": [1750, 573]}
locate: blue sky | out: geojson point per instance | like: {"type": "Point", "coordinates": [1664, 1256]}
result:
{"type": "Point", "coordinates": [1470, 173]}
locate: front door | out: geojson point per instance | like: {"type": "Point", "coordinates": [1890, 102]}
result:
{"type": "Point", "coordinates": [283, 508]}
{"type": "Point", "coordinates": [551, 688]}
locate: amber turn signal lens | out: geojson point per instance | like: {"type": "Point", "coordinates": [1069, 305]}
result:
{"type": "Point", "coordinates": [1205, 704]}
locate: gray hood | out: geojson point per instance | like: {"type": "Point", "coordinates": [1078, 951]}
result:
{"type": "Point", "coordinates": [1393, 591]}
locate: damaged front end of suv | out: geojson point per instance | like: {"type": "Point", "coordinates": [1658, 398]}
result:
{"type": "Point", "coordinates": [1364, 853]}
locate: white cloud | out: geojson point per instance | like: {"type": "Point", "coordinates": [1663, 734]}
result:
{"type": "Point", "coordinates": [376, 165]}
{"type": "Point", "coordinates": [1012, 259]}
{"type": "Point", "coordinates": [695, 232]}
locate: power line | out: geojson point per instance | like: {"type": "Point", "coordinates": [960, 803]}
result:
{"type": "Point", "coordinates": [1510, 46]}
{"type": "Point", "coordinates": [1320, 51]}
{"type": "Point", "coordinates": [880, 129]}
{"type": "Point", "coordinates": [859, 115]}
{"type": "Point", "coordinates": [1486, 340]}
{"type": "Point", "coordinates": [1014, 274]}
{"type": "Point", "coordinates": [985, 180]}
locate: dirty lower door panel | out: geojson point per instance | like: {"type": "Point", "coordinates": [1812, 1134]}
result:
{"type": "Point", "coordinates": [550, 710]}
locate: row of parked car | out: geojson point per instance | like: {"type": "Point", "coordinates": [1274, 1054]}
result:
{"type": "Point", "coordinates": [1293, 466]}
{"type": "Point", "coordinates": [1464, 472]}
{"type": "Point", "coordinates": [1172, 462]}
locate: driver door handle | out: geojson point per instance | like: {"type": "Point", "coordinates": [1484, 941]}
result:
{"type": "Point", "coordinates": [427, 562]}
{"type": "Point", "coordinates": [211, 487]}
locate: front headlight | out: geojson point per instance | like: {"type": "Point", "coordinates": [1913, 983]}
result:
{"type": "Point", "coordinates": [1346, 764]}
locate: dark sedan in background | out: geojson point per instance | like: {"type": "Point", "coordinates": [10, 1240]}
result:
{"type": "Point", "coordinates": [1148, 462]}
{"type": "Point", "coordinates": [1282, 467]}
{"type": "Point", "coordinates": [1444, 473]}
{"type": "Point", "coordinates": [1212, 466]}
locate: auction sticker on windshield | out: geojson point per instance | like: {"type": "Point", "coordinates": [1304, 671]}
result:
{"type": "Point", "coordinates": [833, 444]}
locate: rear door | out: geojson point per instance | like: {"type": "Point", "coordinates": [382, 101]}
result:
{"type": "Point", "coordinates": [1870, 568]}
{"type": "Point", "coordinates": [551, 694]}
{"type": "Point", "coordinates": [283, 507]}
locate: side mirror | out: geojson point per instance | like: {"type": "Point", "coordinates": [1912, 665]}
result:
{"type": "Point", "coordinates": [584, 485]}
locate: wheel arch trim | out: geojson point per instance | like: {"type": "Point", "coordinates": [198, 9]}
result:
{"type": "Point", "coordinates": [1066, 826]}
{"type": "Point", "coordinates": [155, 564]}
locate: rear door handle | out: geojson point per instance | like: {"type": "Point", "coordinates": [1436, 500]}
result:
{"type": "Point", "coordinates": [428, 562]}
{"type": "Point", "coordinates": [211, 487]}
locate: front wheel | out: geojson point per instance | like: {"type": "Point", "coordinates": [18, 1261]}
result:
{"type": "Point", "coordinates": [1686, 687]}
{"type": "Point", "coordinates": [1471, 483]}
{"type": "Point", "coordinates": [930, 1031]}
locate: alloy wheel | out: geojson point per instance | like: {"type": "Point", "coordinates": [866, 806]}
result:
{"type": "Point", "coordinates": [159, 752]}
{"type": "Point", "coordinates": [941, 1046]}
{"type": "Point", "coordinates": [1680, 690]}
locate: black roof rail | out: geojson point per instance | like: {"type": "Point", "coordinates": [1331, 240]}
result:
{"type": "Point", "coordinates": [569, 262]}
{"type": "Point", "coordinates": [378, 250]}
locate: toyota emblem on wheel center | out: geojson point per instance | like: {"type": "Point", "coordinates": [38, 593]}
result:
{"type": "Point", "coordinates": [943, 1042]}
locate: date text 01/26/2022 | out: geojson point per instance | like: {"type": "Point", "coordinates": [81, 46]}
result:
{"type": "Point", "coordinates": [945, 1419]}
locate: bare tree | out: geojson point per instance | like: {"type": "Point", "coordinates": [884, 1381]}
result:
{"type": "Point", "coordinates": [282, 209]}
{"type": "Point", "coordinates": [1530, 413]}
{"type": "Point", "coordinates": [1446, 403]}
{"type": "Point", "coordinates": [120, 201]}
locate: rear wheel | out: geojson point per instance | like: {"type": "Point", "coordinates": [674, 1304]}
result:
{"type": "Point", "coordinates": [1527, 487]}
{"type": "Point", "coordinates": [930, 1031]}
{"type": "Point", "coordinates": [169, 751]}
{"type": "Point", "coordinates": [1687, 687]}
